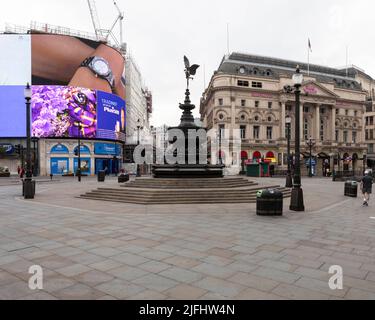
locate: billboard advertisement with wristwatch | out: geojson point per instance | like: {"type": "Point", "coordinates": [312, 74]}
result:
{"type": "Point", "coordinates": [78, 87]}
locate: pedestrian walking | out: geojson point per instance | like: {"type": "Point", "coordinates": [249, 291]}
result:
{"type": "Point", "coordinates": [366, 187]}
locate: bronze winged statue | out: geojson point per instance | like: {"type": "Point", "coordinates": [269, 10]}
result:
{"type": "Point", "coordinates": [189, 70]}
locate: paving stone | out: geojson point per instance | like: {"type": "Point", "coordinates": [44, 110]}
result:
{"type": "Point", "coordinates": [105, 265]}
{"type": "Point", "coordinates": [120, 289]}
{"type": "Point", "coordinates": [185, 292]}
{"type": "Point", "coordinates": [254, 294]}
{"type": "Point", "coordinates": [297, 293]}
{"type": "Point", "coordinates": [14, 290]}
{"type": "Point", "coordinates": [78, 292]}
{"type": "Point", "coordinates": [73, 270]}
{"type": "Point", "coordinates": [255, 282]}
{"type": "Point", "coordinates": [357, 294]}
{"type": "Point", "coordinates": [181, 275]}
{"type": "Point", "coordinates": [277, 275]}
{"type": "Point", "coordinates": [93, 277]}
{"type": "Point", "coordinates": [219, 286]}
{"type": "Point", "coordinates": [127, 272]}
{"type": "Point", "coordinates": [155, 282]}
{"type": "Point", "coordinates": [148, 295]}
{"type": "Point", "coordinates": [105, 251]}
{"type": "Point", "coordinates": [181, 261]}
{"type": "Point", "coordinates": [212, 270]}
{"type": "Point", "coordinates": [130, 259]}
{"type": "Point", "coordinates": [321, 286]}
{"type": "Point", "coordinates": [154, 266]}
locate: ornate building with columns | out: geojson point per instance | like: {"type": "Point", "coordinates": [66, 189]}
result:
{"type": "Point", "coordinates": [247, 93]}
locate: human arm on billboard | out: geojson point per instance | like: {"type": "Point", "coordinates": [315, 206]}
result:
{"type": "Point", "coordinates": [57, 57]}
{"type": "Point", "coordinates": [84, 77]}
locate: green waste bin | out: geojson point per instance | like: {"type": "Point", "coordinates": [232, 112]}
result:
{"type": "Point", "coordinates": [101, 176]}
{"type": "Point", "coordinates": [351, 188]}
{"type": "Point", "coordinates": [269, 202]}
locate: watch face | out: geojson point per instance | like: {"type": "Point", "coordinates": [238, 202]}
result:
{"type": "Point", "coordinates": [101, 67]}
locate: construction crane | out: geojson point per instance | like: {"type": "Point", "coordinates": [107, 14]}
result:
{"type": "Point", "coordinates": [104, 34]}
{"type": "Point", "coordinates": [95, 19]}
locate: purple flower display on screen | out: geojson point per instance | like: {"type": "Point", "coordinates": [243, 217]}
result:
{"type": "Point", "coordinates": [58, 110]}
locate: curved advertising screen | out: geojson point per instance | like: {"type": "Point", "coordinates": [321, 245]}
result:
{"type": "Point", "coordinates": [78, 87]}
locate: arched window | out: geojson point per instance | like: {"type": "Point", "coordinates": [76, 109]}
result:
{"type": "Point", "coordinates": [84, 150]}
{"type": "Point", "coordinates": [59, 148]}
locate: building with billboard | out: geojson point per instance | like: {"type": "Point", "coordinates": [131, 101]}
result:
{"type": "Point", "coordinates": [78, 91]}
{"type": "Point", "coordinates": [247, 93]}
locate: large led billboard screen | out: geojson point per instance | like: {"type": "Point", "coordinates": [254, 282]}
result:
{"type": "Point", "coordinates": [73, 81]}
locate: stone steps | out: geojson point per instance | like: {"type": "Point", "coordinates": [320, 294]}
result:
{"type": "Point", "coordinates": [182, 191]}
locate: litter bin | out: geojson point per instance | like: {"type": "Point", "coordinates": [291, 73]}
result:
{"type": "Point", "coordinates": [101, 176]}
{"type": "Point", "coordinates": [351, 189]}
{"type": "Point", "coordinates": [32, 188]}
{"type": "Point", "coordinates": [269, 202]}
{"type": "Point", "coordinates": [123, 178]}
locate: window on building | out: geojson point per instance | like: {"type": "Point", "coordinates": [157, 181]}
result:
{"type": "Point", "coordinates": [221, 130]}
{"type": "Point", "coordinates": [371, 137]}
{"type": "Point", "coordinates": [243, 118]}
{"type": "Point", "coordinates": [366, 119]}
{"type": "Point", "coordinates": [256, 130]}
{"type": "Point", "coordinates": [345, 136]}
{"type": "Point", "coordinates": [243, 83]}
{"type": "Point", "coordinates": [243, 132]}
{"type": "Point", "coordinates": [243, 103]}
{"type": "Point", "coordinates": [337, 135]}
{"type": "Point", "coordinates": [346, 112]}
{"type": "Point", "coordinates": [370, 148]}
{"type": "Point", "coordinates": [270, 105]}
{"type": "Point", "coordinates": [221, 116]}
{"type": "Point", "coordinates": [371, 122]}
{"type": "Point", "coordinates": [354, 136]}
{"type": "Point", "coordinates": [337, 111]}
{"type": "Point", "coordinates": [355, 113]}
{"type": "Point", "coordinates": [306, 109]}
{"type": "Point", "coordinates": [221, 102]}
{"type": "Point", "coordinates": [366, 134]}
{"type": "Point", "coordinates": [288, 108]}
{"type": "Point", "coordinates": [256, 104]}
{"type": "Point", "coordinates": [269, 119]}
{"type": "Point", "coordinates": [306, 128]}
{"type": "Point", "coordinates": [269, 133]}
{"type": "Point", "coordinates": [256, 84]}
{"type": "Point", "coordinates": [321, 132]}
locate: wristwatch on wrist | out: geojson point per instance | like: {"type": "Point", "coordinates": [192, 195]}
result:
{"type": "Point", "coordinates": [100, 67]}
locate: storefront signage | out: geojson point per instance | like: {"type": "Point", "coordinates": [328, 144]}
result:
{"type": "Point", "coordinates": [59, 148]}
{"type": "Point", "coordinates": [107, 149]}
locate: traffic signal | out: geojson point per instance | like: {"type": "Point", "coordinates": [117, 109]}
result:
{"type": "Point", "coordinates": [18, 148]}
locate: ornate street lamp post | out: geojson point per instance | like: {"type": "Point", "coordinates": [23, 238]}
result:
{"type": "Point", "coordinates": [296, 202]}
{"type": "Point", "coordinates": [35, 142]}
{"type": "Point", "coordinates": [139, 127]}
{"type": "Point", "coordinates": [29, 190]}
{"type": "Point", "coordinates": [79, 152]}
{"type": "Point", "coordinates": [289, 180]}
{"type": "Point", "coordinates": [310, 143]}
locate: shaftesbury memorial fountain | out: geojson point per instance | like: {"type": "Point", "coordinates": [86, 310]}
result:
{"type": "Point", "coordinates": [184, 168]}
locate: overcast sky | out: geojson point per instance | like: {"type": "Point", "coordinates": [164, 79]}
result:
{"type": "Point", "coordinates": [160, 32]}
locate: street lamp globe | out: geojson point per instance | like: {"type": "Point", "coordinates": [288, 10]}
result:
{"type": "Point", "coordinates": [27, 91]}
{"type": "Point", "coordinates": [288, 119]}
{"type": "Point", "coordinates": [297, 77]}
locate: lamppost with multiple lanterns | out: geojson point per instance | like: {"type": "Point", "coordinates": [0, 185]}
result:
{"type": "Point", "coordinates": [289, 180]}
{"type": "Point", "coordinates": [28, 184]}
{"type": "Point", "coordinates": [296, 202]}
{"type": "Point", "coordinates": [139, 127]}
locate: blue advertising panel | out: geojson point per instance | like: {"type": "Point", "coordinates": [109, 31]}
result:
{"type": "Point", "coordinates": [9, 148]}
{"type": "Point", "coordinates": [59, 165]}
{"type": "Point", "coordinates": [12, 112]}
{"type": "Point", "coordinates": [59, 148]}
{"type": "Point", "coordinates": [110, 116]}
{"type": "Point", "coordinates": [109, 149]}
{"type": "Point", "coordinates": [85, 165]}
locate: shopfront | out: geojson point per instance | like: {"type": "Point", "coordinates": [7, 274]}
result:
{"type": "Point", "coordinates": [107, 157]}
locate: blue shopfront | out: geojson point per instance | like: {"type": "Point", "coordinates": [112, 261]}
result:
{"type": "Point", "coordinates": [110, 160]}
{"type": "Point", "coordinates": [60, 164]}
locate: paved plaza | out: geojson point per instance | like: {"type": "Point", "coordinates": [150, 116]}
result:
{"type": "Point", "coordinates": [103, 250]}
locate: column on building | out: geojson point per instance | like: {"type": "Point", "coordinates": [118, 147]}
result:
{"type": "Point", "coordinates": [282, 115]}
{"type": "Point", "coordinates": [317, 123]}
{"type": "Point", "coordinates": [333, 124]}
{"type": "Point", "coordinates": [301, 123]}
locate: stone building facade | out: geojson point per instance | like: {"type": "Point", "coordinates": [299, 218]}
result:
{"type": "Point", "coordinates": [247, 93]}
